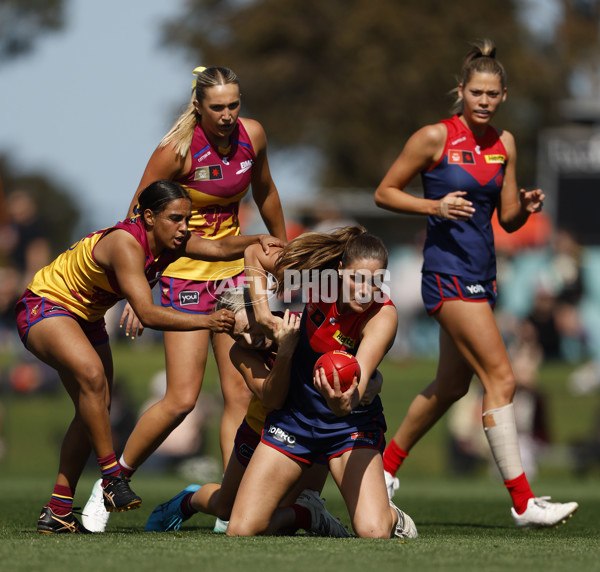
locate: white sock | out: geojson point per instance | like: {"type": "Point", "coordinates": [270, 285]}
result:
{"type": "Point", "coordinates": [501, 432]}
{"type": "Point", "coordinates": [125, 465]}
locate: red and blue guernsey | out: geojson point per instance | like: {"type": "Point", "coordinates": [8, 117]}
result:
{"type": "Point", "coordinates": [475, 165]}
{"type": "Point", "coordinates": [323, 329]}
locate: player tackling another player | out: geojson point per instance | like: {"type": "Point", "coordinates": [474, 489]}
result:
{"type": "Point", "coordinates": [318, 422]}
{"type": "Point", "coordinates": [60, 319]}
{"type": "Point", "coordinates": [467, 169]}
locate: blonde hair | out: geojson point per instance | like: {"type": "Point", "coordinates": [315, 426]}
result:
{"type": "Point", "coordinates": [182, 132]}
{"type": "Point", "coordinates": [234, 299]}
{"type": "Point", "coordinates": [320, 251]}
{"type": "Point", "coordinates": [481, 58]}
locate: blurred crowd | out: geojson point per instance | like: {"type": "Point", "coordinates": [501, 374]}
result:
{"type": "Point", "coordinates": [548, 310]}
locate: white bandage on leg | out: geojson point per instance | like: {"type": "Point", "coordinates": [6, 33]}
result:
{"type": "Point", "coordinates": [501, 432]}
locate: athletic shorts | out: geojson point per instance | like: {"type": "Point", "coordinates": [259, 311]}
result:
{"type": "Point", "coordinates": [309, 444]}
{"type": "Point", "coordinates": [246, 441]}
{"type": "Point", "coordinates": [195, 297]}
{"type": "Point", "coordinates": [439, 288]}
{"type": "Point", "coordinates": [31, 308]}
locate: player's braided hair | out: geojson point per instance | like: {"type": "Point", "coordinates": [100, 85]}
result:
{"type": "Point", "coordinates": [182, 132]}
{"type": "Point", "coordinates": [321, 251]}
{"type": "Point", "coordinates": [481, 58]}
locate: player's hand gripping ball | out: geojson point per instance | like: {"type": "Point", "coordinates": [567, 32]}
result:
{"type": "Point", "coordinates": [346, 364]}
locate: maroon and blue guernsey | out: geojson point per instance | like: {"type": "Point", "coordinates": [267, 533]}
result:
{"type": "Point", "coordinates": [475, 165]}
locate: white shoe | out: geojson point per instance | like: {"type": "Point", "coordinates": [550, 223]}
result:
{"type": "Point", "coordinates": [405, 527]}
{"type": "Point", "coordinates": [94, 515]}
{"type": "Point", "coordinates": [220, 526]}
{"type": "Point", "coordinates": [540, 512]}
{"type": "Point", "coordinates": [321, 521]}
{"type": "Point", "coordinates": [392, 484]}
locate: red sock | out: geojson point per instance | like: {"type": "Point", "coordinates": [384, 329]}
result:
{"type": "Point", "coordinates": [393, 457]}
{"type": "Point", "coordinates": [109, 466]}
{"type": "Point", "coordinates": [61, 501]}
{"type": "Point", "coordinates": [520, 492]}
{"type": "Point", "coordinates": [303, 518]}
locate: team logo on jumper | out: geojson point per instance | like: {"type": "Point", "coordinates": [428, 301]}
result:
{"type": "Point", "coordinates": [317, 317]}
{"type": "Point", "coordinates": [244, 166]}
{"type": "Point", "coordinates": [458, 157]}
{"type": "Point", "coordinates": [344, 340]}
{"type": "Point", "coordinates": [501, 159]}
{"type": "Point", "coordinates": [282, 436]}
{"type": "Point", "coordinates": [209, 173]}
{"type": "Point", "coordinates": [474, 289]}
{"type": "Point", "coordinates": [187, 297]}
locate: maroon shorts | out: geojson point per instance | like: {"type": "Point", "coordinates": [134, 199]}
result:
{"type": "Point", "coordinates": [195, 297]}
{"type": "Point", "coordinates": [31, 308]}
{"type": "Point", "coordinates": [246, 441]}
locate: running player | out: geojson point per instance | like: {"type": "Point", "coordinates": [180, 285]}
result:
{"type": "Point", "coordinates": [265, 365]}
{"type": "Point", "coordinates": [60, 319]}
{"type": "Point", "coordinates": [216, 155]}
{"type": "Point", "coordinates": [317, 420]}
{"type": "Point", "coordinates": [468, 170]}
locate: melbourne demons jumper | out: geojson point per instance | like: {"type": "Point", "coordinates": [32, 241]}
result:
{"type": "Point", "coordinates": [217, 181]}
{"type": "Point", "coordinates": [305, 428]}
{"type": "Point", "coordinates": [459, 255]}
{"type": "Point", "coordinates": [75, 285]}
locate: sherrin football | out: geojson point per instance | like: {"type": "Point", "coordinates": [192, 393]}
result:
{"type": "Point", "coordinates": [346, 364]}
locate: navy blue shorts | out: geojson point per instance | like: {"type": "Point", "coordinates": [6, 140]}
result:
{"type": "Point", "coordinates": [439, 288]}
{"type": "Point", "coordinates": [309, 444]}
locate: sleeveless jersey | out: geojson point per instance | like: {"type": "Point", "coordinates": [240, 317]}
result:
{"type": "Point", "coordinates": [257, 412]}
{"type": "Point", "coordinates": [475, 165]}
{"type": "Point", "coordinates": [76, 281]}
{"type": "Point", "coordinates": [216, 184]}
{"type": "Point", "coordinates": [323, 329]}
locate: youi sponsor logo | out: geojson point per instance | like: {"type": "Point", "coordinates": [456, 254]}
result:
{"type": "Point", "coordinates": [475, 288]}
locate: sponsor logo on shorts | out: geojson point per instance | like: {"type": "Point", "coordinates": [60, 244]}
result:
{"type": "Point", "coordinates": [475, 288]}
{"type": "Point", "coordinates": [55, 309]}
{"type": "Point", "coordinates": [458, 157]}
{"type": "Point", "coordinates": [282, 436]}
{"type": "Point", "coordinates": [188, 297]}
{"type": "Point", "coordinates": [208, 173]}
{"type": "Point", "coordinates": [245, 451]}
{"type": "Point", "coordinates": [365, 437]}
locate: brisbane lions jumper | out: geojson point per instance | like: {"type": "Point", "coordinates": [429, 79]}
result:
{"type": "Point", "coordinates": [322, 329]}
{"type": "Point", "coordinates": [216, 183]}
{"type": "Point", "coordinates": [475, 165]}
{"type": "Point", "coordinates": [76, 281]}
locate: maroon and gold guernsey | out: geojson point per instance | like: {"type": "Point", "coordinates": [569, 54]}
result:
{"type": "Point", "coordinates": [76, 280]}
{"type": "Point", "coordinates": [217, 182]}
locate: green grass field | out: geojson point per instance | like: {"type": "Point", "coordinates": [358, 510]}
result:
{"type": "Point", "coordinates": [464, 522]}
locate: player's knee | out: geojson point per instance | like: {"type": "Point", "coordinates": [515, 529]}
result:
{"type": "Point", "coordinates": [93, 382]}
{"type": "Point", "coordinates": [372, 527]}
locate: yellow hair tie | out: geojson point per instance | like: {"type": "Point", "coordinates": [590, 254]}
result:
{"type": "Point", "coordinates": [197, 71]}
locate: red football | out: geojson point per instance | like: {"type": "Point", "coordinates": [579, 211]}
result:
{"type": "Point", "coordinates": [345, 363]}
